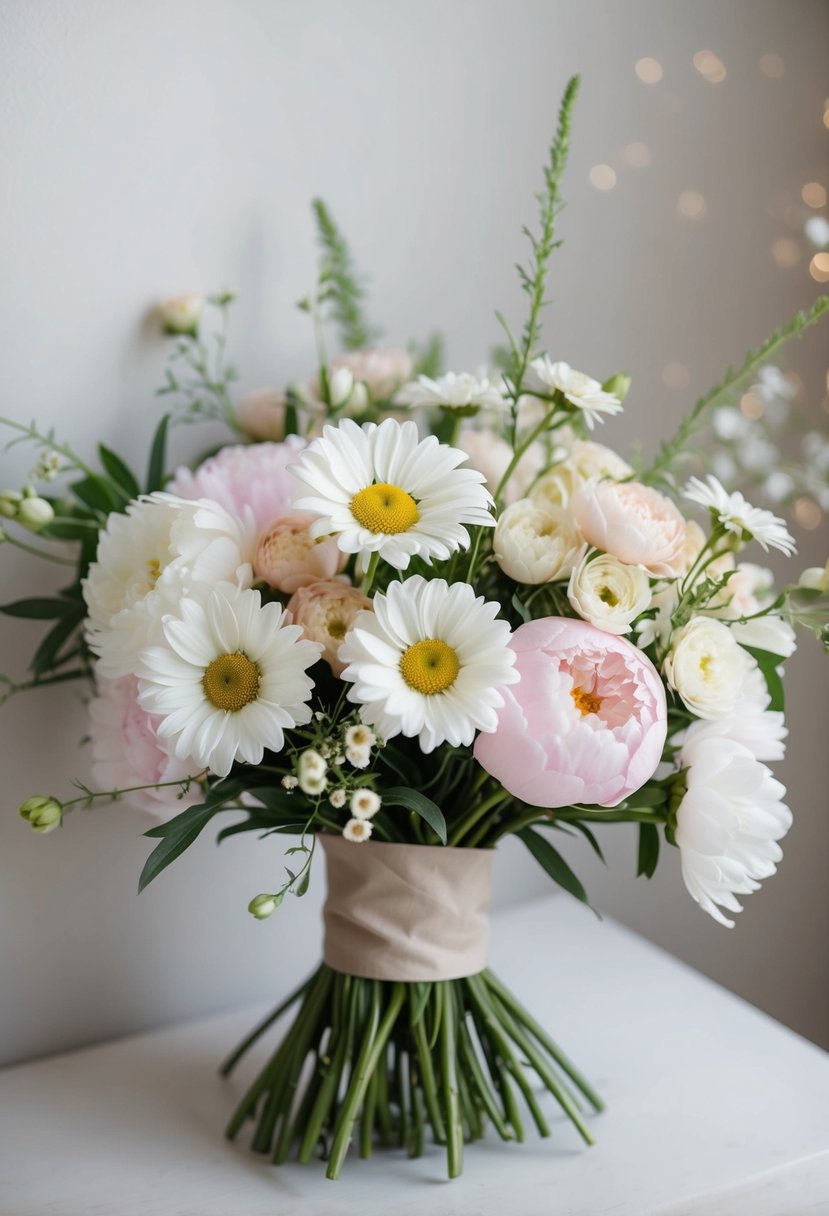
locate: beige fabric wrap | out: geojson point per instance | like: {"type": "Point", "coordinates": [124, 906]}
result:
{"type": "Point", "coordinates": [405, 911]}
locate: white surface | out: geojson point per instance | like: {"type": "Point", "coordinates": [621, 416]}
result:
{"type": "Point", "coordinates": [713, 1109]}
{"type": "Point", "coordinates": [164, 145]}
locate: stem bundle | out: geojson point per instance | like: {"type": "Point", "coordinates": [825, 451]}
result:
{"type": "Point", "coordinates": [388, 1063]}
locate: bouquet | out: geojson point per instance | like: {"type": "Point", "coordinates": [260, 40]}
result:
{"type": "Point", "coordinates": [398, 616]}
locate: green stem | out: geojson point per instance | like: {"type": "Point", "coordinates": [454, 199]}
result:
{"type": "Point", "coordinates": [371, 571]}
{"type": "Point", "coordinates": [449, 1080]}
{"type": "Point", "coordinates": [35, 552]}
{"type": "Point", "coordinates": [474, 816]}
{"type": "Point", "coordinates": [373, 1045]}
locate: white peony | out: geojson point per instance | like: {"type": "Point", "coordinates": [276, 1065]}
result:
{"type": "Point", "coordinates": [728, 824]}
{"type": "Point", "coordinates": [707, 667]}
{"type": "Point", "coordinates": [769, 633]}
{"type": "Point", "coordinates": [535, 545]}
{"type": "Point", "coordinates": [761, 731]}
{"type": "Point", "coordinates": [608, 593]}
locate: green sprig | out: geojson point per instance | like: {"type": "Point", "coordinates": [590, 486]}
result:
{"type": "Point", "coordinates": [339, 284]}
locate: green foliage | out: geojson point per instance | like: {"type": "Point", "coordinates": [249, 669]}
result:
{"type": "Point", "coordinates": [551, 860]}
{"type": "Point", "coordinates": [158, 456]}
{"type": "Point", "coordinates": [533, 277]}
{"type": "Point", "coordinates": [179, 833]}
{"type": "Point", "coordinates": [674, 449]}
{"type": "Point", "coordinates": [413, 800]}
{"type": "Point", "coordinates": [768, 664]}
{"type": "Point", "coordinates": [339, 285]}
{"type": "Point", "coordinates": [648, 850]}
{"type": "Point", "coordinates": [430, 357]}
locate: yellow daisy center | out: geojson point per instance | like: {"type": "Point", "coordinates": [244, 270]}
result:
{"type": "Point", "coordinates": [586, 702]}
{"type": "Point", "coordinates": [231, 682]}
{"type": "Point", "coordinates": [429, 666]}
{"type": "Point", "coordinates": [385, 508]}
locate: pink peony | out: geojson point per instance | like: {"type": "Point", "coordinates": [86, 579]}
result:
{"type": "Point", "coordinates": [382, 371]}
{"type": "Point", "coordinates": [249, 475]}
{"type": "Point", "coordinates": [633, 522]}
{"type": "Point", "coordinates": [326, 612]}
{"type": "Point", "coordinates": [126, 751]}
{"type": "Point", "coordinates": [289, 558]}
{"type": "Point", "coordinates": [585, 724]}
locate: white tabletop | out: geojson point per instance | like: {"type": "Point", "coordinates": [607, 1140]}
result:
{"type": "Point", "coordinates": [713, 1109]}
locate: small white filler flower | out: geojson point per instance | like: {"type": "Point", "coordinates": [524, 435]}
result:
{"type": "Point", "coordinates": [429, 662]}
{"type": "Point", "coordinates": [229, 679]}
{"type": "Point", "coordinates": [380, 489]}
{"type": "Point", "coordinates": [738, 516]}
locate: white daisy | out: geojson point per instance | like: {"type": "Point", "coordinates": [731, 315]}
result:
{"type": "Point", "coordinates": [147, 559]}
{"type": "Point", "coordinates": [728, 824]}
{"type": "Point", "coordinates": [429, 662]}
{"type": "Point", "coordinates": [462, 393]}
{"type": "Point", "coordinates": [585, 393]}
{"type": "Point", "coordinates": [379, 489]}
{"type": "Point", "coordinates": [229, 678]}
{"type": "Point", "coordinates": [738, 516]}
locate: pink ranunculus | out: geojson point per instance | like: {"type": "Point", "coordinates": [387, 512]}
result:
{"type": "Point", "coordinates": [326, 611]}
{"type": "Point", "coordinates": [633, 522]}
{"type": "Point", "coordinates": [262, 415]}
{"type": "Point", "coordinates": [248, 475]}
{"type": "Point", "coordinates": [585, 724]}
{"type": "Point", "coordinates": [126, 751]}
{"type": "Point", "coordinates": [288, 557]}
{"type": "Point", "coordinates": [382, 371]}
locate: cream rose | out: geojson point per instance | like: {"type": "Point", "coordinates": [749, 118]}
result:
{"type": "Point", "coordinates": [633, 522]}
{"type": "Point", "coordinates": [707, 667]}
{"type": "Point", "coordinates": [535, 546]}
{"type": "Point", "coordinates": [607, 593]}
{"type": "Point", "coordinates": [326, 611]}
{"type": "Point", "coordinates": [181, 314]}
{"type": "Point", "coordinates": [288, 557]}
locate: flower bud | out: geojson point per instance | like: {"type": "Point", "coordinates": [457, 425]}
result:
{"type": "Point", "coordinates": [44, 814]}
{"type": "Point", "coordinates": [815, 578]}
{"type": "Point", "coordinates": [261, 906]}
{"type": "Point", "coordinates": [35, 513]}
{"type": "Point", "coordinates": [618, 385]}
{"type": "Point", "coordinates": [181, 314]}
{"type": "Point", "coordinates": [9, 502]}
{"type": "Point", "coordinates": [340, 386]}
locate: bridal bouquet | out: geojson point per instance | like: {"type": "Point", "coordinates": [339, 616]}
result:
{"type": "Point", "coordinates": [401, 615]}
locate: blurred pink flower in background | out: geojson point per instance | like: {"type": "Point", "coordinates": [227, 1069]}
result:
{"type": "Point", "coordinates": [126, 751]}
{"type": "Point", "coordinates": [585, 724]}
{"type": "Point", "coordinates": [288, 557]}
{"type": "Point", "coordinates": [252, 475]}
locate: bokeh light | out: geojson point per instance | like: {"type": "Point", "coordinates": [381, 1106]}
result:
{"type": "Point", "coordinates": [710, 67]}
{"type": "Point", "coordinates": [814, 195]}
{"type": "Point", "coordinates": [648, 70]}
{"type": "Point", "coordinates": [808, 514]}
{"type": "Point", "coordinates": [692, 205]}
{"type": "Point", "coordinates": [638, 155]}
{"type": "Point", "coordinates": [771, 65]}
{"type": "Point", "coordinates": [819, 267]}
{"type": "Point", "coordinates": [602, 177]}
{"type": "Point", "coordinates": [751, 406]}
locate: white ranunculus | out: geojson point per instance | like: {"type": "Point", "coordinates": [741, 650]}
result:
{"type": "Point", "coordinates": [607, 593]}
{"type": "Point", "coordinates": [815, 578]}
{"type": "Point", "coordinates": [728, 825]}
{"type": "Point", "coordinates": [535, 546]}
{"type": "Point", "coordinates": [707, 667]}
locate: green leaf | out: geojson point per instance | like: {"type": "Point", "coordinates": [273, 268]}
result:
{"type": "Point", "coordinates": [178, 834]}
{"type": "Point", "coordinates": [340, 285]}
{"type": "Point", "coordinates": [551, 860]}
{"type": "Point", "coordinates": [39, 609]}
{"type": "Point", "coordinates": [97, 493]}
{"type": "Point", "coordinates": [118, 471]}
{"type": "Point", "coordinates": [648, 850]}
{"type": "Point", "coordinates": [644, 797]}
{"type": "Point", "coordinates": [275, 799]}
{"type": "Point", "coordinates": [521, 608]}
{"type": "Point", "coordinates": [413, 800]}
{"type": "Point", "coordinates": [768, 664]}
{"type": "Point", "coordinates": [158, 456]}
{"type": "Point", "coordinates": [303, 884]}
{"type": "Point", "coordinates": [47, 655]}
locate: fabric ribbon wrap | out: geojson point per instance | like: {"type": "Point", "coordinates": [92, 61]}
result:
{"type": "Point", "coordinates": [406, 911]}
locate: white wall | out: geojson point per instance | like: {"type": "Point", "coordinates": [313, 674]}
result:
{"type": "Point", "coordinates": [154, 146]}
